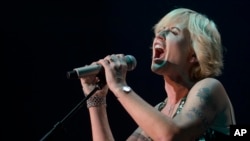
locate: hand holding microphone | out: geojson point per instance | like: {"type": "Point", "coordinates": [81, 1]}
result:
{"type": "Point", "coordinates": [112, 67]}
{"type": "Point", "coordinates": [116, 67]}
{"type": "Point", "coordinates": [94, 69]}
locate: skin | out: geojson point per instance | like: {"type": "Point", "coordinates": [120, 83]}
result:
{"type": "Point", "coordinates": [207, 103]}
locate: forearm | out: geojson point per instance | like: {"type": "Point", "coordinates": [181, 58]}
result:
{"type": "Point", "coordinates": [99, 124]}
{"type": "Point", "coordinates": [146, 116]}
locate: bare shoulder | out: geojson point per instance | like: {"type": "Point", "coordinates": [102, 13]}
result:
{"type": "Point", "coordinates": [211, 91]}
{"type": "Point", "coordinates": [205, 102]}
{"type": "Point", "coordinates": [211, 85]}
{"type": "Point", "coordinates": [209, 82]}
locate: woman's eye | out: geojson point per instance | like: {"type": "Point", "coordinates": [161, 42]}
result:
{"type": "Point", "coordinates": [174, 32]}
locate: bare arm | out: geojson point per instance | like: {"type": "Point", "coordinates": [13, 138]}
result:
{"type": "Point", "coordinates": [150, 120]}
{"type": "Point", "coordinates": [99, 124]}
{"type": "Point", "coordinates": [98, 115]}
{"type": "Point", "coordinates": [204, 102]}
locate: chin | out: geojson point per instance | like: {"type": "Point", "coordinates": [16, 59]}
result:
{"type": "Point", "coordinates": [159, 66]}
{"type": "Point", "coordinates": [156, 69]}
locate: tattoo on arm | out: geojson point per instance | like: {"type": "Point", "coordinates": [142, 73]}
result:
{"type": "Point", "coordinates": [204, 95]}
{"type": "Point", "coordinates": [194, 112]}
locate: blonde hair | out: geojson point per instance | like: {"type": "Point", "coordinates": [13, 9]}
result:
{"type": "Point", "coordinates": [205, 41]}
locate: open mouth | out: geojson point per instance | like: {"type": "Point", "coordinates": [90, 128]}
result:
{"type": "Point", "coordinates": [159, 52]}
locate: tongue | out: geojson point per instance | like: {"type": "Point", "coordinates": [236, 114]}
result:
{"type": "Point", "coordinates": [161, 55]}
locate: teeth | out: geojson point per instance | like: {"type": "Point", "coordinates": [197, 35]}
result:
{"type": "Point", "coordinates": [158, 46]}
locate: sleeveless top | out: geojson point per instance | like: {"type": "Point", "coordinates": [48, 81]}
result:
{"type": "Point", "coordinates": [209, 135]}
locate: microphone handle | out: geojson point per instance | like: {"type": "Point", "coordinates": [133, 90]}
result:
{"type": "Point", "coordinates": [84, 71]}
{"type": "Point", "coordinates": [96, 68]}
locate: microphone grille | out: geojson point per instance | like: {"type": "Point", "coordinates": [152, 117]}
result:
{"type": "Point", "coordinates": [131, 62]}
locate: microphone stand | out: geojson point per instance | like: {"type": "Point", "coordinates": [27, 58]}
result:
{"type": "Point", "coordinates": [59, 124]}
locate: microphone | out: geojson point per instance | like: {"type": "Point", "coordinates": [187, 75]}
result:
{"type": "Point", "coordinates": [96, 68]}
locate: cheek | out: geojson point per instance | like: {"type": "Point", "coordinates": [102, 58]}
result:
{"type": "Point", "coordinates": [173, 52]}
{"type": "Point", "coordinates": [183, 46]}
{"type": "Point", "coordinates": [177, 51]}
{"type": "Point", "coordinates": [174, 45]}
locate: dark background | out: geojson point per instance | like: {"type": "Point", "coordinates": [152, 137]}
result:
{"type": "Point", "coordinates": [43, 40]}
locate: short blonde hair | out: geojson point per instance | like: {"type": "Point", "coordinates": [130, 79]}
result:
{"type": "Point", "coordinates": [205, 41]}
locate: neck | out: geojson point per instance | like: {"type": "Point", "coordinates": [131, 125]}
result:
{"type": "Point", "coordinates": [176, 89]}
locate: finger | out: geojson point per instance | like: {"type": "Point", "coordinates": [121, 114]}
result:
{"type": "Point", "coordinates": [112, 58]}
{"type": "Point", "coordinates": [104, 62]}
{"type": "Point", "coordinates": [117, 62]}
{"type": "Point", "coordinates": [108, 59]}
{"type": "Point", "coordinates": [91, 79]}
{"type": "Point", "coordinates": [122, 60]}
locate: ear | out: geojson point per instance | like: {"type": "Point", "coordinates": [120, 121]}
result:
{"type": "Point", "coordinates": [193, 59]}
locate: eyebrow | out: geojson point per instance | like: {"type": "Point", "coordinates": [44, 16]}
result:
{"type": "Point", "coordinates": [169, 30]}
